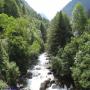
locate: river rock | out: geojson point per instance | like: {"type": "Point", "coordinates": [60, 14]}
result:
{"type": "Point", "coordinates": [52, 82]}
{"type": "Point", "coordinates": [47, 58]}
{"type": "Point", "coordinates": [47, 63]}
{"type": "Point", "coordinates": [45, 84]}
{"type": "Point", "coordinates": [36, 74]}
{"type": "Point", "coordinates": [49, 73]}
{"type": "Point", "coordinates": [38, 68]}
{"type": "Point", "coordinates": [54, 86]}
{"type": "Point", "coordinates": [29, 75]}
{"type": "Point", "coordinates": [49, 67]}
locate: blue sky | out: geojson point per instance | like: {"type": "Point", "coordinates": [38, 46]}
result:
{"type": "Point", "coordinates": [47, 7]}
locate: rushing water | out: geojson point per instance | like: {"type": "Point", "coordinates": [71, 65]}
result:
{"type": "Point", "coordinates": [40, 74]}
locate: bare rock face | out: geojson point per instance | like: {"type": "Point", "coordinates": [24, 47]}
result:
{"type": "Point", "coordinates": [45, 84]}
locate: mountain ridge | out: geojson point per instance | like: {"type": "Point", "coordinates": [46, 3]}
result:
{"type": "Point", "coordinates": [18, 8]}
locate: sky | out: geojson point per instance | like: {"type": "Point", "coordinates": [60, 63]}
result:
{"type": "Point", "coordinates": [49, 8]}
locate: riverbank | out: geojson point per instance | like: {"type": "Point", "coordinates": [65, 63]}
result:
{"type": "Point", "coordinates": [42, 77]}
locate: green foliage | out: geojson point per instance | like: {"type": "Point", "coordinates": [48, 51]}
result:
{"type": "Point", "coordinates": [43, 32]}
{"type": "Point", "coordinates": [56, 65]}
{"type": "Point", "coordinates": [79, 20]}
{"type": "Point", "coordinates": [58, 33]}
{"type": "Point", "coordinates": [14, 11]}
{"type": "Point", "coordinates": [9, 71]}
{"type": "Point", "coordinates": [81, 68]}
{"type": "Point", "coordinates": [18, 51]}
{"type": "Point", "coordinates": [20, 40]}
{"type": "Point", "coordinates": [1, 6]}
{"type": "Point", "coordinates": [3, 85]}
{"type": "Point", "coordinates": [18, 8]}
{"type": "Point", "coordinates": [21, 44]}
{"type": "Point", "coordinates": [71, 60]}
{"type": "Point", "coordinates": [74, 60]}
{"type": "Point", "coordinates": [67, 56]}
{"type": "Point", "coordinates": [35, 47]}
{"type": "Point", "coordinates": [87, 27]}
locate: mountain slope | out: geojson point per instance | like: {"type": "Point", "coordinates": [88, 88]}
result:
{"type": "Point", "coordinates": [69, 7]}
{"type": "Point", "coordinates": [17, 8]}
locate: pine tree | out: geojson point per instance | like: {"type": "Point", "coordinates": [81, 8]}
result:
{"type": "Point", "coordinates": [59, 33]}
{"type": "Point", "coordinates": [43, 32]}
{"type": "Point", "coordinates": [78, 19]}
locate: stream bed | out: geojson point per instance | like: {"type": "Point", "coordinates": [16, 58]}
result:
{"type": "Point", "coordinates": [42, 75]}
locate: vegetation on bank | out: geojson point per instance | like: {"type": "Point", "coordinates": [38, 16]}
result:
{"type": "Point", "coordinates": [68, 46]}
{"type": "Point", "coordinates": [21, 33]}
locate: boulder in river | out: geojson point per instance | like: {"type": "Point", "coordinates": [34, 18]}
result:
{"type": "Point", "coordinates": [54, 86]}
{"type": "Point", "coordinates": [52, 82]}
{"type": "Point", "coordinates": [37, 67]}
{"type": "Point", "coordinates": [45, 84]}
{"type": "Point", "coordinates": [49, 67]}
{"type": "Point", "coordinates": [29, 75]}
{"type": "Point", "coordinates": [49, 73]}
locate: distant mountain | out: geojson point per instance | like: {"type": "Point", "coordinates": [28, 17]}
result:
{"type": "Point", "coordinates": [69, 7]}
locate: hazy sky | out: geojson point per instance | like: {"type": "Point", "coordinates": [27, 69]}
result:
{"type": "Point", "coordinates": [47, 7]}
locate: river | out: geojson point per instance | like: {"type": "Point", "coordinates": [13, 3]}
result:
{"type": "Point", "coordinates": [40, 73]}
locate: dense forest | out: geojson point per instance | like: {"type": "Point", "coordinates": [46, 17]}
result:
{"type": "Point", "coordinates": [21, 40]}
{"type": "Point", "coordinates": [68, 47]}
{"type": "Point", "coordinates": [24, 34]}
